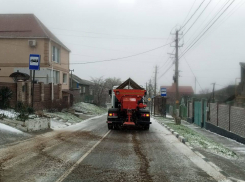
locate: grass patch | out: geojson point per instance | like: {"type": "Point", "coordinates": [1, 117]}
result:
{"type": "Point", "coordinates": [89, 108]}
{"type": "Point", "coordinates": [198, 140]}
{"type": "Point", "coordinates": [71, 118]}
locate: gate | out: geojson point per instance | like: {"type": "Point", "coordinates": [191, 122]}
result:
{"type": "Point", "coordinates": [160, 106]}
{"type": "Point", "coordinates": [183, 111]}
{"type": "Point", "coordinates": [198, 113]}
{"type": "Point", "coordinates": [205, 103]}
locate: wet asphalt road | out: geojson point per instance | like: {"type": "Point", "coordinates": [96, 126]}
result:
{"type": "Point", "coordinates": [123, 155]}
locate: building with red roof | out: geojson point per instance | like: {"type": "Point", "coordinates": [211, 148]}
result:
{"type": "Point", "coordinates": [184, 91]}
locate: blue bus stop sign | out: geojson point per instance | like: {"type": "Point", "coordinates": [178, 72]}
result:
{"type": "Point", "coordinates": [163, 92]}
{"type": "Point", "coordinates": [34, 62]}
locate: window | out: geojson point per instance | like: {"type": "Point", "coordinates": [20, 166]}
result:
{"type": "Point", "coordinates": [56, 54]}
{"type": "Point", "coordinates": [91, 92]}
{"type": "Point", "coordinates": [56, 78]}
{"type": "Point", "coordinates": [64, 78]}
{"type": "Point", "coordinates": [84, 89]}
{"type": "Point", "coordinates": [80, 89]}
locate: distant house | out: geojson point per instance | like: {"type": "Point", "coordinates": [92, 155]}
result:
{"type": "Point", "coordinates": [184, 91]}
{"type": "Point", "coordinates": [85, 88]}
{"type": "Point", "coordinates": [24, 34]}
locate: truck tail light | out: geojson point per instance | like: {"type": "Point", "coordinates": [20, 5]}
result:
{"type": "Point", "coordinates": [145, 115]}
{"type": "Point", "coordinates": [112, 114]}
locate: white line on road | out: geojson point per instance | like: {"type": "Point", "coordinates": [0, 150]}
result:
{"type": "Point", "coordinates": [200, 155]}
{"type": "Point", "coordinates": [81, 159]}
{"type": "Point", "coordinates": [237, 180]}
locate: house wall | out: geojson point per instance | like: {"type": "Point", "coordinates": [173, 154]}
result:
{"type": "Point", "coordinates": [14, 55]}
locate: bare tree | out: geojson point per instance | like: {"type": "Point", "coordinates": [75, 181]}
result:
{"type": "Point", "coordinates": [205, 91]}
{"type": "Point", "coordinates": [98, 90]}
{"type": "Point", "coordinates": [101, 89]}
{"type": "Point", "coordinates": [111, 82]}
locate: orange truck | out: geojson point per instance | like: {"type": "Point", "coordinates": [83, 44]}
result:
{"type": "Point", "coordinates": [128, 108]}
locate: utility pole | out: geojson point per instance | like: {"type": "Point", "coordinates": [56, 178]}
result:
{"type": "Point", "coordinates": [155, 86]}
{"type": "Point", "coordinates": [176, 76]}
{"type": "Point", "coordinates": [71, 78]}
{"type": "Point", "coordinates": [177, 67]}
{"type": "Point", "coordinates": [213, 89]}
{"type": "Point", "coordinates": [195, 85]}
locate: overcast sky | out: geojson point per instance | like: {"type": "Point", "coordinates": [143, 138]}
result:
{"type": "Point", "coordinates": [96, 30]}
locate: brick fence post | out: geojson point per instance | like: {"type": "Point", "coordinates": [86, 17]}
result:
{"type": "Point", "coordinates": [20, 93]}
{"type": "Point", "coordinates": [60, 91]}
{"type": "Point", "coordinates": [193, 109]}
{"type": "Point", "coordinates": [28, 92]}
{"type": "Point", "coordinates": [42, 91]}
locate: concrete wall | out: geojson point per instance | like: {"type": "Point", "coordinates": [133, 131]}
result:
{"type": "Point", "coordinates": [231, 119]}
{"type": "Point", "coordinates": [237, 121]}
{"type": "Point", "coordinates": [223, 116]}
{"type": "Point", "coordinates": [37, 124]}
{"type": "Point", "coordinates": [213, 113]}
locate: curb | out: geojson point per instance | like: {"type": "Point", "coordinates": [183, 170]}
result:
{"type": "Point", "coordinates": [185, 141]}
{"type": "Point", "coordinates": [181, 138]}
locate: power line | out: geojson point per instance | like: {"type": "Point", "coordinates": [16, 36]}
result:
{"type": "Point", "coordinates": [239, 5]}
{"type": "Point", "coordinates": [197, 18]}
{"type": "Point", "coordinates": [114, 59]}
{"type": "Point", "coordinates": [186, 50]}
{"type": "Point", "coordinates": [193, 73]}
{"type": "Point", "coordinates": [206, 18]}
{"type": "Point", "coordinates": [211, 20]}
{"type": "Point", "coordinates": [190, 10]}
{"type": "Point", "coordinates": [193, 14]}
{"type": "Point", "coordinates": [125, 36]}
{"type": "Point", "coordinates": [166, 71]}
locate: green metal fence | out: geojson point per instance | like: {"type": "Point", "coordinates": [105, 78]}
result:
{"type": "Point", "coordinates": [183, 111]}
{"type": "Point", "coordinates": [198, 113]}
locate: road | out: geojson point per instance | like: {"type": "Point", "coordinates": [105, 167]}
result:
{"type": "Point", "coordinates": [89, 152]}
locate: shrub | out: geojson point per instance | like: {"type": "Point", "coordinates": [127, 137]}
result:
{"type": "Point", "coordinates": [5, 96]}
{"type": "Point", "coordinates": [23, 111]}
{"type": "Point", "coordinates": [30, 110]}
{"type": "Point", "coordinates": [2, 116]}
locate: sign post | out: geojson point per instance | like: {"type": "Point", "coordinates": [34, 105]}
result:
{"type": "Point", "coordinates": [163, 92]}
{"type": "Point", "coordinates": [34, 64]}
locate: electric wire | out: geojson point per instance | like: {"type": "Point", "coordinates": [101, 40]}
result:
{"type": "Point", "coordinates": [197, 18]}
{"type": "Point", "coordinates": [193, 14]}
{"type": "Point", "coordinates": [204, 21]}
{"type": "Point", "coordinates": [189, 11]}
{"type": "Point", "coordinates": [120, 58]}
{"type": "Point", "coordinates": [189, 47]}
{"type": "Point", "coordinates": [192, 72]}
{"type": "Point", "coordinates": [210, 21]}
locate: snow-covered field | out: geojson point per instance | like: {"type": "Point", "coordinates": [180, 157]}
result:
{"type": "Point", "coordinates": [89, 108]}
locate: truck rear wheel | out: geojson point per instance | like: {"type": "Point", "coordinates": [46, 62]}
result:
{"type": "Point", "coordinates": [110, 126]}
{"type": "Point", "coordinates": [147, 127]}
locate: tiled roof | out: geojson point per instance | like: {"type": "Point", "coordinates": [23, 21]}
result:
{"type": "Point", "coordinates": [182, 89]}
{"type": "Point", "coordinates": [80, 81]}
{"type": "Point", "coordinates": [25, 26]}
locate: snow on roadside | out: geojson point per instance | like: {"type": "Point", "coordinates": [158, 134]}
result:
{"type": "Point", "coordinates": [8, 113]}
{"type": "Point", "coordinates": [9, 128]}
{"type": "Point", "coordinates": [198, 140]}
{"type": "Point", "coordinates": [89, 108]}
